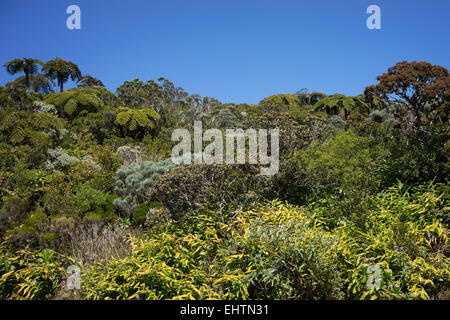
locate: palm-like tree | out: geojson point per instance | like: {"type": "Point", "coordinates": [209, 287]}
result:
{"type": "Point", "coordinates": [60, 70]}
{"type": "Point", "coordinates": [26, 65]}
{"type": "Point", "coordinates": [337, 103]}
{"type": "Point", "coordinates": [310, 98]}
{"type": "Point", "coordinates": [90, 81]}
{"type": "Point", "coordinates": [38, 83]}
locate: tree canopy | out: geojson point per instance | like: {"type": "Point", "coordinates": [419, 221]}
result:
{"type": "Point", "coordinates": [422, 85]}
{"type": "Point", "coordinates": [61, 70]}
{"type": "Point", "coordinates": [26, 65]}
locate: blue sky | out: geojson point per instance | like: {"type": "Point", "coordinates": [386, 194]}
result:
{"type": "Point", "coordinates": [233, 50]}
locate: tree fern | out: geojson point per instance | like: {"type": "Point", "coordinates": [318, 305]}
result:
{"type": "Point", "coordinates": [23, 127]}
{"type": "Point", "coordinates": [340, 103]}
{"type": "Point", "coordinates": [71, 102]}
{"type": "Point", "coordinates": [138, 121]}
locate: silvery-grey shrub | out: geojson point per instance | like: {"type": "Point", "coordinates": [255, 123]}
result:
{"type": "Point", "coordinates": [61, 159]}
{"type": "Point", "coordinates": [335, 122]}
{"type": "Point", "coordinates": [133, 181]}
{"type": "Point", "coordinates": [43, 107]}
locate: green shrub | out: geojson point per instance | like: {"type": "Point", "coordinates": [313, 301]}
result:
{"type": "Point", "coordinates": [31, 275]}
{"type": "Point", "coordinates": [30, 128]}
{"type": "Point", "coordinates": [140, 214]}
{"type": "Point", "coordinates": [289, 255]}
{"type": "Point", "coordinates": [213, 187]}
{"type": "Point", "coordinates": [136, 122]}
{"type": "Point", "coordinates": [406, 235]}
{"type": "Point", "coordinates": [281, 102]}
{"type": "Point", "coordinates": [71, 102]}
{"type": "Point", "coordinates": [347, 165]}
{"type": "Point", "coordinates": [132, 182]}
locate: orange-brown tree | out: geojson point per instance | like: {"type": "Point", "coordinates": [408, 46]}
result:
{"type": "Point", "coordinates": [422, 85]}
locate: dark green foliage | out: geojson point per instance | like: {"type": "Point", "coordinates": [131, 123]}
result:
{"type": "Point", "coordinates": [32, 233]}
{"type": "Point", "coordinates": [98, 188]}
{"type": "Point", "coordinates": [22, 127]}
{"type": "Point", "coordinates": [280, 102]}
{"type": "Point", "coordinates": [339, 104]}
{"type": "Point", "coordinates": [346, 166]}
{"type": "Point", "coordinates": [26, 65]}
{"type": "Point", "coordinates": [140, 214]}
{"type": "Point", "coordinates": [417, 159]}
{"type": "Point", "coordinates": [210, 187]}
{"type": "Point", "coordinates": [71, 102]}
{"type": "Point", "coordinates": [61, 70]}
{"type": "Point", "coordinates": [14, 96]}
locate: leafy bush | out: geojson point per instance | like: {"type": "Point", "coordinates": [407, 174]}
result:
{"type": "Point", "coordinates": [132, 182]}
{"type": "Point", "coordinates": [348, 165]}
{"type": "Point", "coordinates": [130, 154]}
{"type": "Point", "coordinates": [32, 233]}
{"type": "Point", "coordinates": [215, 187]}
{"type": "Point", "coordinates": [31, 275]}
{"type": "Point", "coordinates": [280, 102]}
{"type": "Point", "coordinates": [29, 128]}
{"type": "Point", "coordinates": [41, 106]}
{"type": "Point", "coordinates": [136, 122]}
{"type": "Point", "coordinates": [289, 255]}
{"type": "Point", "coordinates": [62, 160]}
{"type": "Point", "coordinates": [271, 252]}
{"type": "Point", "coordinates": [406, 235]}
{"type": "Point", "coordinates": [72, 102]}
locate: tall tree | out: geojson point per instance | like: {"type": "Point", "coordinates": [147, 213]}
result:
{"type": "Point", "coordinates": [26, 65]}
{"type": "Point", "coordinates": [90, 81]}
{"type": "Point", "coordinates": [158, 95]}
{"type": "Point", "coordinates": [310, 98]}
{"type": "Point", "coordinates": [60, 70]}
{"type": "Point", "coordinates": [422, 85]}
{"type": "Point", "coordinates": [38, 83]}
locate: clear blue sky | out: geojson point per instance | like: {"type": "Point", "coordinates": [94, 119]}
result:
{"type": "Point", "coordinates": [233, 50]}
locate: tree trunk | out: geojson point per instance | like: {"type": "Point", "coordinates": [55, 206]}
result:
{"type": "Point", "coordinates": [60, 80]}
{"type": "Point", "coordinates": [27, 81]}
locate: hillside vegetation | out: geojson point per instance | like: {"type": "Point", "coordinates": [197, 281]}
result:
{"type": "Point", "coordinates": [359, 208]}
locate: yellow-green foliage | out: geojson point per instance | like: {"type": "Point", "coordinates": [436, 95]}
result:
{"type": "Point", "coordinates": [280, 251]}
{"type": "Point", "coordinates": [281, 100]}
{"type": "Point", "coordinates": [346, 163]}
{"type": "Point", "coordinates": [31, 275]}
{"type": "Point", "coordinates": [136, 119]}
{"type": "Point", "coordinates": [71, 102]}
{"type": "Point", "coordinates": [406, 234]}
{"type": "Point", "coordinates": [24, 127]}
{"type": "Point", "coordinates": [170, 264]}
{"type": "Point", "coordinates": [288, 253]}
{"type": "Point", "coordinates": [275, 252]}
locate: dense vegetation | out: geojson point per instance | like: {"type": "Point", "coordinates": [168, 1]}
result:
{"type": "Point", "coordinates": [358, 210]}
